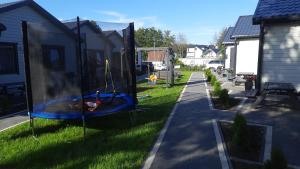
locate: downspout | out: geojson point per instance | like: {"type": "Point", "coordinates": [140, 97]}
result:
{"type": "Point", "coordinates": [260, 57]}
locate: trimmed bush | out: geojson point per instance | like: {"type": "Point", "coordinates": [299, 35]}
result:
{"type": "Point", "coordinates": [213, 80]}
{"type": "Point", "coordinates": [208, 74]}
{"type": "Point", "coordinates": [277, 161]}
{"type": "Point", "coordinates": [217, 88]}
{"type": "Point", "coordinates": [224, 97]}
{"type": "Point", "coordinates": [240, 136]}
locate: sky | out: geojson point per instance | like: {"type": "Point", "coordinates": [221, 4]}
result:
{"type": "Point", "coordinates": [198, 20]}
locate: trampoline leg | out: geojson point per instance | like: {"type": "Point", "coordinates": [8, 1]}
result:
{"type": "Point", "coordinates": [83, 126]}
{"type": "Point", "coordinates": [31, 121]}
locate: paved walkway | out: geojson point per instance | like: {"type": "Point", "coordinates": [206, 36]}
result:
{"type": "Point", "coordinates": [12, 120]}
{"type": "Point", "coordinates": [189, 142]}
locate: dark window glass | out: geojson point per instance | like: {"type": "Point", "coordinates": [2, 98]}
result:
{"type": "Point", "coordinates": [54, 57]}
{"type": "Point", "coordinates": [8, 58]}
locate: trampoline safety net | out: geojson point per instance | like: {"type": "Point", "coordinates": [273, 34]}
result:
{"type": "Point", "coordinates": [71, 76]}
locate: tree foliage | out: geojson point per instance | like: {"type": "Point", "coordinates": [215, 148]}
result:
{"type": "Point", "coordinates": [180, 45]}
{"type": "Point", "coordinates": [218, 40]}
{"type": "Point", "coordinates": [148, 37]}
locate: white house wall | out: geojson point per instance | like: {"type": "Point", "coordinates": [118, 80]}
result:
{"type": "Point", "coordinates": [247, 56]}
{"type": "Point", "coordinates": [198, 53]}
{"type": "Point", "coordinates": [228, 54]}
{"type": "Point", "coordinates": [190, 53]}
{"type": "Point", "coordinates": [194, 53]}
{"type": "Point", "coordinates": [281, 54]}
{"type": "Point", "coordinates": [13, 22]}
{"type": "Point", "coordinates": [195, 61]}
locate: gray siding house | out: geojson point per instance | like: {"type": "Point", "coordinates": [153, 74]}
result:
{"type": "Point", "coordinates": [117, 40]}
{"type": "Point", "coordinates": [11, 42]}
{"type": "Point", "coordinates": [117, 52]}
{"type": "Point", "coordinates": [96, 49]}
{"type": "Point", "coordinates": [279, 58]}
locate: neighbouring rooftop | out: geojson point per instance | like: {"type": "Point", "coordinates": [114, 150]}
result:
{"type": "Point", "coordinates": [277, 10]}
{"type": "Point", "coordinates": [244, 28]}
{"type": "Point", "coordinates": [227, 38]}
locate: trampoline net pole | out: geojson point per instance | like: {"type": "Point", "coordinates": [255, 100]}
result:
{"type": "Point", "coordinates": [81, 76]}
{"type": "Point", "coordinates": [27, 74]}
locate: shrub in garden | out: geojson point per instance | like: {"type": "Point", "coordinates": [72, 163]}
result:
{"type": "Point", "coordinates": [213, 80]}
{"type": "Point", "coordinates": [208, 74]}
{"type": "Point", "coordinates": [224, 97]}
{"type": "Point", "coordinates": [217, 88]}
{"type": "Point", "coordinates": [240, 132]}
{"type": "Point", "coordinates": [277, 161]}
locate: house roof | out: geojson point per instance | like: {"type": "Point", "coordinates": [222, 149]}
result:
{"type": "Point", "coordinates": [73, 25]}
{"type": "Point", "coordinates": [244, 28]}
{"type": "Point", "coordinates": [202, 47]}
{"type": "Point", "coordinates": [216, 51]}
{"type": "Point", "coordinates": [277, 10]}
{"type": "Point", "coordinates": [108, 33]}
{"type": "Point", "coordinates": [227, 38]}
{"type": "Point", "coordinates": [5, 7]}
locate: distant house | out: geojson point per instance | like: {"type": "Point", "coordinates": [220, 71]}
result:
{"type": "Point", "coordinates": [97, 47]}
{"type": "Point", "coordinates": [200, 55]}
{"type": "Point", "coordinates": [279, 53]}
{"type": "Point", "coordinates": [246, 37]}
{"type": "Point", "coordinates": [195, 51]}
{"type": "Point", "coordinates": [157, 57]}
{"type": "Point", "coordinates": [211, 52]}
{"type": "Point", "coordinates": [229, 48]}
{"type": "Point", "coordinates": [11, 41]}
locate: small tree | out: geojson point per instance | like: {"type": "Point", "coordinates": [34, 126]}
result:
{"type": "Point", "coordinates": [213, 80]}
{"type": "Point", "coordinates": [277, 161]}
{"type": "Point", "coordinates": [208, 74]}
{"type": "Point", "coordinates": [240, 132]}
{"type": "Point", "coordinates": [217, 88]}
{"type": "Point", "coordinates": [224, 97]}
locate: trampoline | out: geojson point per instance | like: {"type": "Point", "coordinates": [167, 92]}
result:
{"type": "Point", "coordinates": [70, 75]}
{"type": "Point", "coordinates": [63, 109]}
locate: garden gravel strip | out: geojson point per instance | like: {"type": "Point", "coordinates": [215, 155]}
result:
{"type": "Point", "coordinates": [189, 141]}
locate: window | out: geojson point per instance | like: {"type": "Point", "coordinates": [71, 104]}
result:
{"type": "Point", "coordinates": [54, 57]}
{"type": "Point", "coordinates": [8, 58]}
{"type": "Point", "coordinates": [95, 57]}
{"type": "Point", "coordinates": [100, 58]}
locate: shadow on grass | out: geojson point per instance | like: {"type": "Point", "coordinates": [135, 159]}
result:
{"type": "Point", "coordinates": [143, 89]}
{"type": "Point", "coordinates": [107, 138]}
{"type": "Point", "coordinates": [81, 154]}
{"type": "Point", "coordinates": [110, 136]}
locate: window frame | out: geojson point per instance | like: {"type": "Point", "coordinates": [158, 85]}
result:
{"type": "Point", "coordinates": [61, 49]}
{"type": "Point", "coordinates": [15, 57]}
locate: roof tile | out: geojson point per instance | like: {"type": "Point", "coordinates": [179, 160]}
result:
{"type": "Point", "coordinates": [277, 9]}
{"type": "Point", "coordinates": [227, 38]}
{"type": "Point", "coordinates": [244, 28]}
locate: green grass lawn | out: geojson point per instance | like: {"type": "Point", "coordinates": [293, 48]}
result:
{"type": "Point", "coordinates": [111, 142]}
